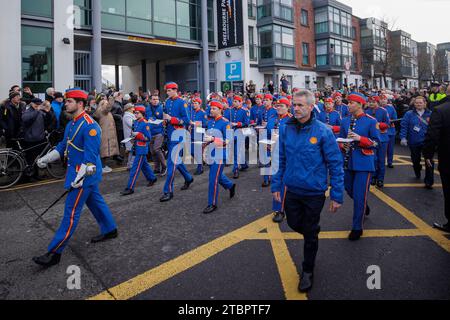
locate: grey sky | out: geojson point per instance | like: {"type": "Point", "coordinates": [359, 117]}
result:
{"type": "Point", "coordinates": [425, 20]}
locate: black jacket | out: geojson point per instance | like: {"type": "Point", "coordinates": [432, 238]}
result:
{"type": "Point", "coordinates": [11, 120]}
{"type": "Point", "coordinates": [438, 137]}
{"type": "Point", "coordinates": [35, 123]}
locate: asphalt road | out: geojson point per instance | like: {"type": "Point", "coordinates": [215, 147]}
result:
{"type": "Point", "coordinates": [173, 251]}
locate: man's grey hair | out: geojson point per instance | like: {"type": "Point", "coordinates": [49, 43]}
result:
{"type": "Point", "coordinates": [49, 91]}
{"type": "Point", "coordinates": [310, 99]}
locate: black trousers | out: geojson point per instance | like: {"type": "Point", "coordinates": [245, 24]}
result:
{"type": "Point", "coordinates": [445, 178]}
{"type": "Point", "coordinates": [416, 157]}
{"type": "Point", "coordinates": [303, 216]}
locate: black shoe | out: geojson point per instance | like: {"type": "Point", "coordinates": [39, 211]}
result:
{"type": "Point", "coordinates": [157, 171]}
{"type": "Point", "coordinates": [236, 175]}
{"type": "Point", "coordinates": [380, 184]}
{"type": "Point", "coordinates": [418, 176]}
{"type": "Point", "coordinates": [278, 217]}
{"type": "Point", "coordinates": [118, 159]}
{"type": "Point", "coordinates": [390, 166]}
{"type": "Point", "coordinates": [103, 237]}
{"type": "Point", "coordinates": [429, 187]}
{"type": "Point", "coordinates": [152, 183]}
{"type": "Point", "coordinates": [127, 192]}
{"type": "Point", "coordinates": [209, 209]}
{"type": "Point", "coordinates": [187, 185]}
{"type": "Point", "coordinates": [442, 227]}
{"type": "Point", "coordinates": [373, 182]}
{"type": "Point", "coordinates": [306, 282]}
{"type": "Point", "coordinates": [47, 260]}
{"type": "Point", "coordinates": [233, 191]}
{"type": "Point", "coordinates": [265, 184]}
{"type": "Point", "coordinates": [244, 168]}
{"type": "Point", "coordinates": [166, 197]}
{"type": "Point", "coordinates": [198, 173]}
{"type": "Point", "coordinates": [355, 235]}
{"type": "Point", "coordinates": [367, 213]}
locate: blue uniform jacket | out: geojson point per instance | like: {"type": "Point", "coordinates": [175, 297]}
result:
{"type": "Point", "coordinates": [362, 158]}
{"type": "Point", "coordinates": [267, 114]}
{"type": "Point", "coordinates": [382, 116]}
{"type": "Point", "coordinates": [81, 145]}
{"type": "Point", "coordinates": [218, 129]}
{"type": "Point", "coordinates": [278, 122]}
{"type": "Point", "coordinates": [144, 137]}
{"type": "Point", "coordinates": [343, 110]}
{"type": "Point", "coordinates": [333, 119]}
{"type": "Point", "coordinates": [414, 127]}
{"type": "Point", "coordinates": [155, 113]}
{"type": "Point", "coordinates": [201, 120]}
{"type": "Point", "coordinates": [254, 114]}
{"type": "Point", "coordinates": [392, 116]}
{"type": "Point", "coordinates": [239, 116]}
{"type": "Point", "coordinates": [307, 156]}
{"type": "Point", "coordinates": [177, 109]}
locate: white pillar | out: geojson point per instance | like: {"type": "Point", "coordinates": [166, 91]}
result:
{"type": "Point", "coordinates": [63, 53]}
{"type": "Point", "coordinates": [11, 42]}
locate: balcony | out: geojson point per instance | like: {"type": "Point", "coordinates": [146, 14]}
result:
{"type": "Point", "coordinates": [332, 63]}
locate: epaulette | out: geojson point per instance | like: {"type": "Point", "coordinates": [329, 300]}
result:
{"type": "Point", "coordinates": [88, 119]}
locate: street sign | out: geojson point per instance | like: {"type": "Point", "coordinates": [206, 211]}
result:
{"type": "Point", "coordinates": [233, 71]}
{"type": "Point", "coordinates": [225, 86]}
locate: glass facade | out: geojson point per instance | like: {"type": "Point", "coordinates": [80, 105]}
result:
{"type": "Point", "coordinates": [37, 58]}
{"type": "Point", "coordinates": [276, 42]}
{"type": "Point", "coordinates": [85, 12]}
{"type": "Point", "coordinates": [39, 8]}
{"type": "Point", "coordinates": [280, 9]}
{"type": "Point", "coordinates": [333, 52]}
{"type": "Point", "coordinates": [333, 20]}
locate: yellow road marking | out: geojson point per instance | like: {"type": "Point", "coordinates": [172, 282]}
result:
{"type": "Point", "coordinates": [286, 267]}
{"type": "Point", "coordinates": [165, 271]}
{"type": "Point", "coordinates": [399, 233]}
{"type": "Point", "coordinates": [43, 183]}
{"type": "Point", "coordinates": [434, 234]}
{"type": "Point", "coordinates": [409, 185]}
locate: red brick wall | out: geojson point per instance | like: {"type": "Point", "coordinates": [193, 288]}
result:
{"type": "Point", "coordinates": [357, 42]}
{"type": "Point", "coordinates": [304, 34]}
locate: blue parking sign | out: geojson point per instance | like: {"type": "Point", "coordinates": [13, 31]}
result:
{"type": "Point", "coordinates": [233, 71]}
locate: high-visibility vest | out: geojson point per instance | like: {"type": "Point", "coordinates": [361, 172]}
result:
{"type": "Point", "coordinates": [434, 97]}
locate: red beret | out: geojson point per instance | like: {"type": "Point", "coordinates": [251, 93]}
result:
{"type": "Point", "coordinates": [329, 100]}
{"type": "Point", "coordinates": [374, 98]}
{"type": "Point", "coordinates": [336, 94]}
{"type": "Point", "coordinates": [140, 108]}
{"type": "Point", "coordinates": [171, 85]}
{"type": "Point", "coordinates": [76, 93]}
{"type": "Point", "coordinates": [284, 101]}
{"type": "Point", "coordinates": [259, 96]}
{"type": "Point", "coordinates": [216, 104]}
{"type": "Point", "coordinates": [268, 97]}
{"type": "Point", "coordinates": [238, 98]}
{"type": "Point", "coordinates": [224, 100]}
{"type": "Point", "coordinates": [197, 100]}
{"type": "Point", "coordinates": [357, 97]}
{"type": "Point", "coordinates": [289, 97]}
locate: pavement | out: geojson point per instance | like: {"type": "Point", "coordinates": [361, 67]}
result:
{"type": "Point", "coordinates": [173, 251]}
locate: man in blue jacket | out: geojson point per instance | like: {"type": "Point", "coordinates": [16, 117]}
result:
{"type": "Point", "coordinates": [384, 101]}
{"type": "Point", "coordinates": [308, 156]}
{"type": "Point", "coordinates": [154, 111]}
{"type": "Point", "coordinates": [414, 127]}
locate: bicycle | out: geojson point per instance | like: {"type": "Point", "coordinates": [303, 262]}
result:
{"type": "Point", "coordinates": [14, 164]}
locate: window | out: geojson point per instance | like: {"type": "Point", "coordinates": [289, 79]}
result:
{"type": "Point", "coordinates": [251, 9]}
{"type": "Point", "coordinates": [39, 8]}
{"type": "Point", "coordinates": [353, 33]}
{"type": "Point", "coordinates": [85, 12]}
{"type": "Point", "coordinates": [281, 9]}
{"type": "Point", "coordinates": [276, 42]}
{"type": "Point", "coordinates": [321, 18]}
{"type": "Point", "coordinates": [37, 58]}
{"type": "Point", "coordinates": [305, 52]}
{"type": "Point", "coordinates": [251, 41]}
{"type": "Point", "coordinates": [304, 18]}
{"type": "Point", "coordinates": [322, 52]}
{"type": "Point", "coordinates": [333, 52]}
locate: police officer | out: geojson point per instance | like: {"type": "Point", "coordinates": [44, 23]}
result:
{"type": "Point", "coordinates": [359, 158]}
{"type": "Point", "coordinates": [384, 101]}
{"type": "Point", "coordinates": [142, 137]}
{"type": "Point", "coordinates": [308, 157]}
{"type": "Point", "coordinates": [330, 117]}
{"type": "Point", "coordinates": [268, 114]}
{"type": "Point", "coordinates": [177, 119]}
{"type": "Point", "coordinates": [216, 135]}
{"type": "Point", "coordinates": [283, 107]}
{"type": "Point", "coordinates": [199, 119]}
{"type": "Point", "coordinates": [238, 119]}
{"type": "Point", "coordinates": [382, 116]}
{"type": "Point", "coordinates": [80, 148]}
{"type": "Point", "coordinates": [414, 127]}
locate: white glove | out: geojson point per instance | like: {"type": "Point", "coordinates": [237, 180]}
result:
{"type": "Point", "coordinates": [91, 170]}
{"type": "Point", "coordinates": [78, 183]}
{"type": "Point", "coordinates": [48, 158]}
{"type": "Point", "coordinates": [134, 134]}
{"type": "Point", "coordinates": [404, 142]}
